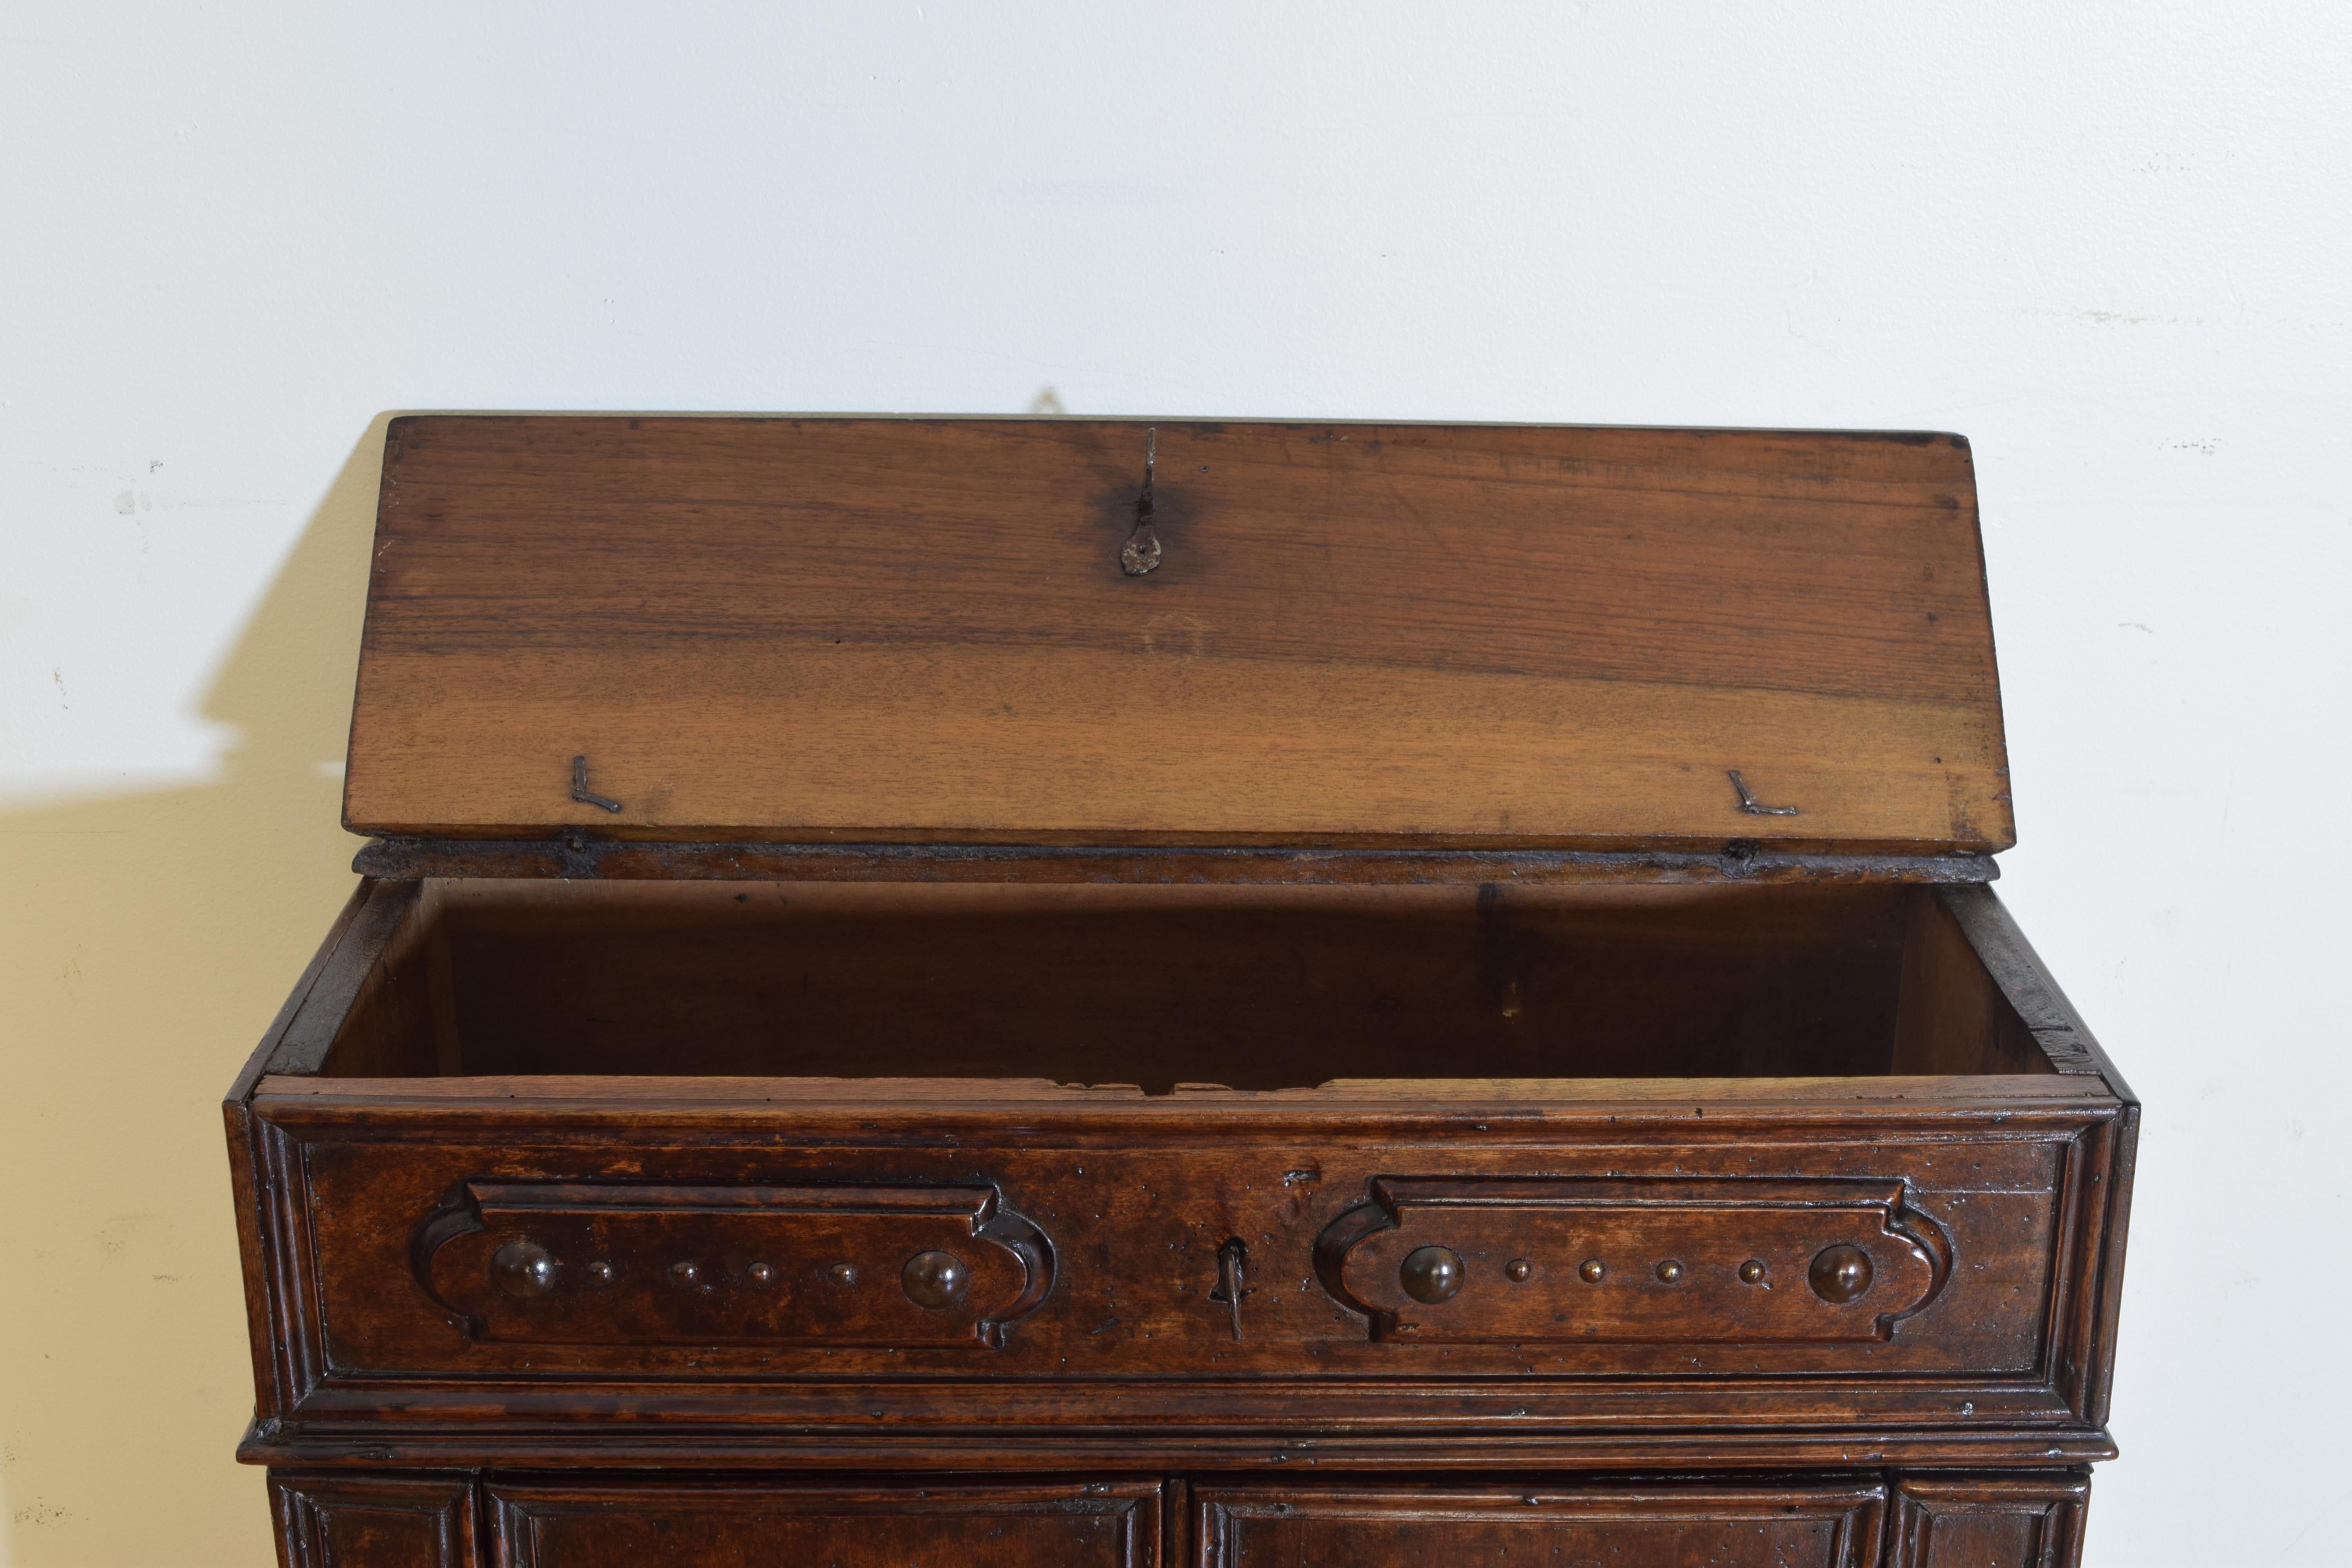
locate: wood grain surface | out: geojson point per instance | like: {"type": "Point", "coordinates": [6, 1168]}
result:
{"type": "Point", "coordinates": [956, 1049]}
{"type": "Point", "coordinates": [1251, 988]}
{"type": "Point", "coordinates": [1132, 1359]}
{"type": "Point", "coordinates": [1816, 1522]}
{"type": "Point", "coordinates": [376, 1522]}
{"type": "Point", "coordinates": [1963, 1520]}
{"type": "Point", "coordinates": [921, 630]}
{"type": "Point", "coordinates": [551, 1524]}
{"type": "Point", "coordinates": [1137, 1229]}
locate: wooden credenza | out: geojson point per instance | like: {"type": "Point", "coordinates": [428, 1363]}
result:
{"type": "Point", "coordinates": [1817, 1519]}
{"type": "Point", "coordinates": [1356, 995]}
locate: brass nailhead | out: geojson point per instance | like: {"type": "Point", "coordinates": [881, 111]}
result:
{"type": "Point", "coordinates": [1753, 1272]}
{"type": "Point", "coordinates": [933, 1279]}
{"type": "Point", "coordinates": [1590, 1270]}
{"type": "Point", "coordinates": [1840, 1274]}
{"type": "Point", "coordinates": [1518, 1270]}
{"type": "Point", "coordinates": [1670, 1271]}
{"type": "Point", "coordinates": [524, 1269]}
{"type": "Point", "coordinates": [1431, 1274]}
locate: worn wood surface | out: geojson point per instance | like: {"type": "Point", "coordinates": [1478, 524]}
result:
{"type": "Point", "coordinates": [1974, 1521]}
{"type": "Point", "coordinates": [1132, 1358]}
{"type": "Point", "coordinates": [1829, 1517]}
{"type": "Point", "coordinates": [1026, 1020]}
{"type": "Point", "coordinates": [1808, 1522]}
{"type": "Point", "coordinates": [577, 856]}
{"type": "Point", "coordinates": [1413, 1102]}
{"type": "Point", "coordinates": [2060, 1034]}
{"type": "Point", "coordinates": [1650, 1260]}
{"type": "Point", "coordinates": [2000, 950]}
{"type": "Point", "coordinates": [881, 630]}
{"type": "Point", "coordinates": [1129, 1346]}
{"type": "Point", "coordinates": [376, 1522]}
{"type": "Point", "coordinates": [1252, 988]}
{"type": "Point", "coordinates": [254, 1251]}
{"type": "Point", "coordinates": [818, 1263]}
{"type": "Point", "coordinates": [1953, 1016]}
{"type": "Point", "coordinates": [350, 970]}
{"type": "Point", "coordinates": [714, 1524]}
{"type": "Point", "coordinates": [1135, 1234]}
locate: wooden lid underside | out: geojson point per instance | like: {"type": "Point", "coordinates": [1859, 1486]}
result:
{"type": "Point", "coordinates": [912, 630]}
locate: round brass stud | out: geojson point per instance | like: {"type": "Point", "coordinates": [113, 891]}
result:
{"type": "Point", "coordinates": [1840, 1274]}
{"type": "Point", "coordinates": [524, 1269]}
{"type": "Point", "coordinates": [842, 1274]}
{"type": "Point", "coordinates": [600, 1273]}
{"type": "Point", "coordinates": [1591, 1271]}
{"type": "Point", "coordinates": [1670, 1272]}
{"type": "Point", "coordinates": [933, 1279]}
{"type": "Point", "coordinates": [685, 1276]}
{"type": "Point", "coordinates": [1517, 1270]}
{"type": "Point", "coordinates": [1753, 1272]}
{"type": "Point", "coordinates": [761, 1274]}
{"type": "Point", "coordinates": [1431, 1274]}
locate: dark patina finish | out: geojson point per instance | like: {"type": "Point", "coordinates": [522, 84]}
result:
{"type": "Point", "coordinates": [1400, 994]}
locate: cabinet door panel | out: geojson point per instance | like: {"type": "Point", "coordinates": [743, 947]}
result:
{"type": "Point", "coordinates": [1990, 1521]}
{"type": "Point", "coordinates": [603, 1524]}
{"type": "Point", "coordinates": [1814, 1525]}
{"type": "Point", "coordinates": [362, 1521]}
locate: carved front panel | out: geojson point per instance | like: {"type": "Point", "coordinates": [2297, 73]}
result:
{"type": "Point", "coordinates": [698, 1523]}
{"type": "Point", "coordinates": [1651, 1259]}
{"type": "Point", "coordinates": [629, 1263]}
{"type": "Point", "coordinates": [1816, 1523]}
{"type": "Point", "coordinates": [1959, 1521]}
{"type": "Point", "coordinates": [374, 1522]}
{"type": "Point", "coordinates": [1186, 1295]}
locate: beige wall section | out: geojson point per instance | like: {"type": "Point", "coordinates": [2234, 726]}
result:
{"type": "Point", "coordinates": [145, 941]}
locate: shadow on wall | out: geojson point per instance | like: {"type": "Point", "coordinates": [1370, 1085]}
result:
{"type": "Point", "coordinates": [145, 942]}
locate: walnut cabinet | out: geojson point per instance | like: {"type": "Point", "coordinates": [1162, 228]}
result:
{"type": "Point", "coordinates": [1009, 992]}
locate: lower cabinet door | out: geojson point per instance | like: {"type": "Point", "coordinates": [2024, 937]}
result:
{"type": "Point", "coordinates": [1990, 1521]}
{"type": "Point", "coordinates": [1809, 1524]}
{"type": "Point", "coordinates": [333, 1521]}
{"type": "Point", "coordinates": [619, 1525]}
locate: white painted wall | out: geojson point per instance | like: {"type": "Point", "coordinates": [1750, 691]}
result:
{"type": "Point", "coordinates": [2107, 243]}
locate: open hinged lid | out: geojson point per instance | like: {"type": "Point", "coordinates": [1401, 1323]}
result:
{"type": "Point", "coordinates": [886, 630]}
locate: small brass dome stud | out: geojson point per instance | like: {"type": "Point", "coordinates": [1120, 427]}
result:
{"type": "Point", "coordinates": [1431, 1274]}
{"type": "Point", "coordinates": [1840, 1274]}
{"type": "Point", "coordinates": [524, 1269]}
{"type": "Point", "coordinates": [933, 1279]}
